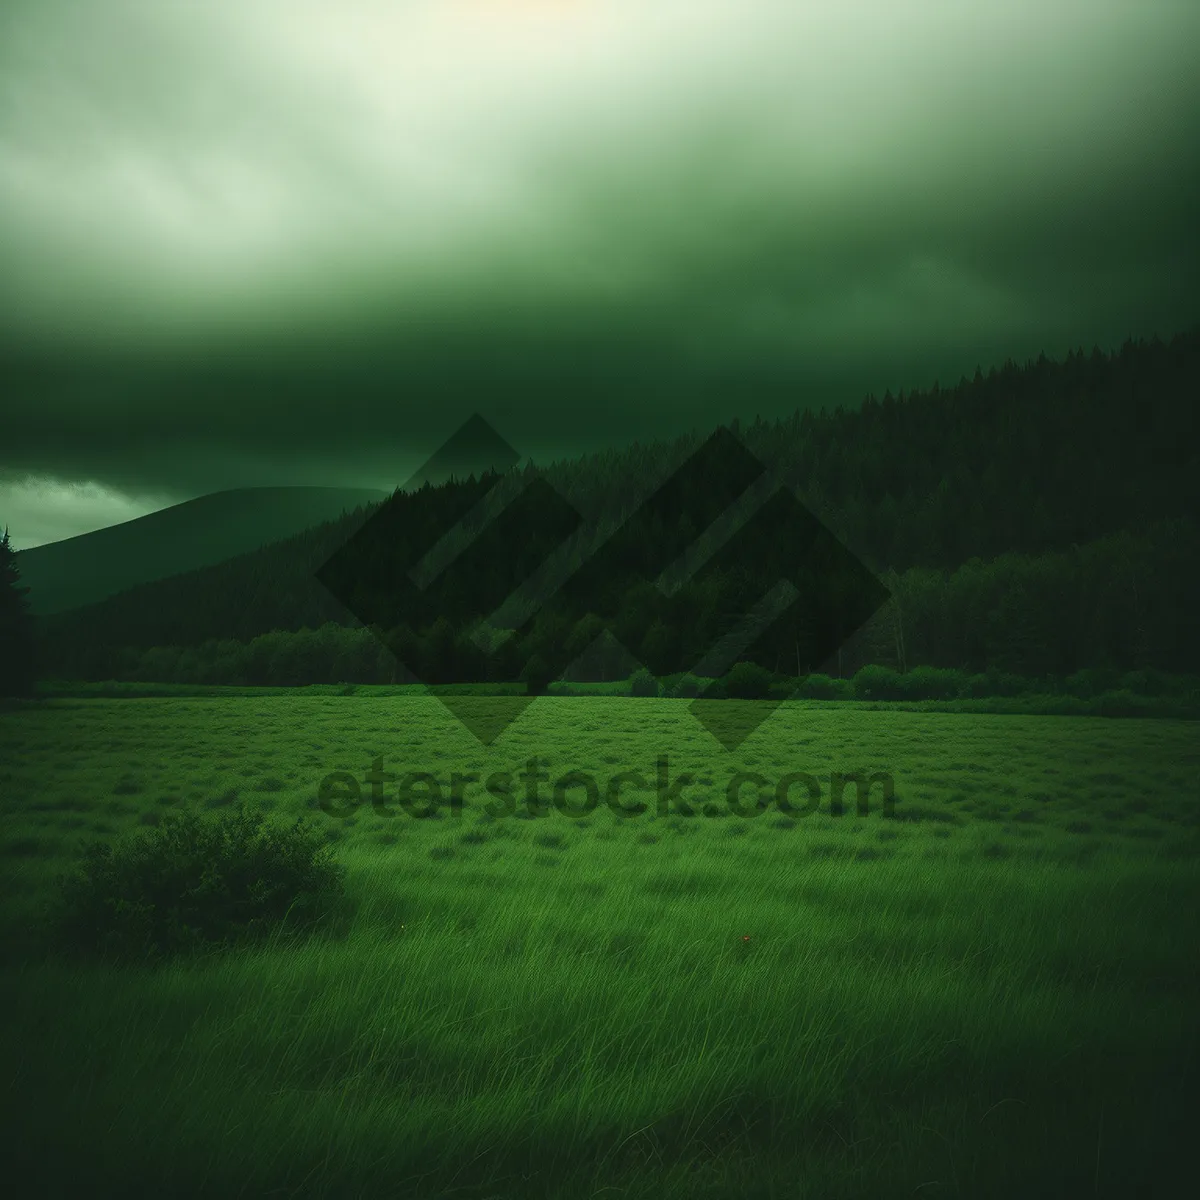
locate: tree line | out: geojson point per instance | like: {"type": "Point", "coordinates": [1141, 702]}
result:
{"type": "Point", "coordinates": [1035, 519]}
{"type": "Point", "coordinates": [1117, 603]}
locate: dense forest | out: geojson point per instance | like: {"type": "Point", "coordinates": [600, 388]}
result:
{"type": "Point", "coordinates": [1037, 519]}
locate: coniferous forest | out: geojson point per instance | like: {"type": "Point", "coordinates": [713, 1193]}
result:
{"type": "Point", "coordinates": [1038, 520]}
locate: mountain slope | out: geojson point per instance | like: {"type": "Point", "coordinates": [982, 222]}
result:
{"type": "Point", "coordinates": [1031, 460]}
{"type": "Point", "coordinates": [198, 533]}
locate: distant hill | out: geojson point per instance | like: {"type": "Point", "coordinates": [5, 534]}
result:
{"type": "Point", "coordinates": [198, 533]}
{"type": "Point", "coordinates": [1032, 460]}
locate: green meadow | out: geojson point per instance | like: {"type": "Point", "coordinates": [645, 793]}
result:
{"type": "Point", "coordinates": [989, 991]}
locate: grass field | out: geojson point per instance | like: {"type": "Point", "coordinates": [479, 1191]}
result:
{"type": "Point", "coordinates": [991, 992]}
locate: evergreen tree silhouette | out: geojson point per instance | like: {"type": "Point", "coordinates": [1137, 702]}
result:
{"type": "Point", "coordinates": [16, 627]}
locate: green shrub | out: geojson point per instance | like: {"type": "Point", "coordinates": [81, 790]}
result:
{"type": "Point", "coordinates": [1148, 683]}
{"type": "Point", "coordinates": [192, 885]}
{"type": "Point", "coordinates": [976, 687]}
{"type": "Point", "coordinates": [933, 683]}
{"type": "Point", "coordinates": [748, 681]}
{"type": "Point", "coordinates": [687, 686]}
{"type": "Point", "coordinates": [878, 683]}
{"type": "Point", "coordinates": [994, 682]}
{"type": "Point", "coordinates": [535, 675]}
{"type": "Point", "coordinates": [1092, 682]}
{"type": "Point", "coordinates": [825, 687]}
{"type": "Point", "coordinates": [642, 683]}
{"type": "Point", "coordinates": [1121, 703]}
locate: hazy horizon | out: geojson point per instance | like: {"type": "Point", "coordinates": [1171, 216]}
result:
{"type": "Point", "coordinates": [265, 244]}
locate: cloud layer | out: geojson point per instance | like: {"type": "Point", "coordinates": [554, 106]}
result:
{"type": "Point", "coordinates": [298, 242]}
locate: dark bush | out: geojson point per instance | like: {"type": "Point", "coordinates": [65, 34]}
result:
{"type": "Point", "coordinates": [1148, 683]}
{"type": "Point", "coordinates": [994, 682]}
{"type": "Point", "coordinates": [825, 687]}
{"type": "Point", "coordinates": [1093, 681]}
{"type": "Point", "coordinates": [195, 884]}
{"type": "Point", "coordinates": [748, 681]}
{"type": "Point", "coordinates": [686, 686]}
{"type": "Point", "coordinates": [1121, 703]}
{"type": "Point", "coordinates": [976, 687]}
{"type": "Point", "coordinates": [1006, 684]}
{"type": "Point", "coordinates": [933, 683]}
{"type": "Point", "coordinates": [535, 675]}
{"type": "Point", "coordinates": [878, 683]}
{"type": "Point", "coordinates": [642, 683]}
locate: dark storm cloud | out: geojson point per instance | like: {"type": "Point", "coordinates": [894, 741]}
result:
{"type": "Point", "coordinates": [300, 243]}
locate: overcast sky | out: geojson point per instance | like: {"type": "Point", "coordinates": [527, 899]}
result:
{"type": "Point", "coordinates": [282, 241]}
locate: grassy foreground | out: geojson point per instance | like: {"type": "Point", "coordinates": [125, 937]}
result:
{"type": "Point", "coordinates": [992, 992]}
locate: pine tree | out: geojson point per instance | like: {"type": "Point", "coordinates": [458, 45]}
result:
{"type": "Point", "coordinates": [16, 627]}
